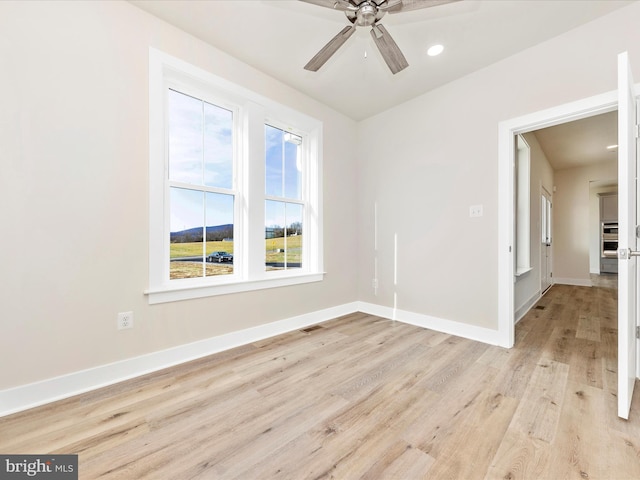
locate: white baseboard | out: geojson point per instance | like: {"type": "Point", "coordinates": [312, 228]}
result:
{"type": "Point", "coordinates": [522, 311]}
{"type": "Point", "coordinates": [578, 282]}
{"type": "Point", "coordinates": [480, 334]}
{"type": "Point", "coordinates": [23, 397]}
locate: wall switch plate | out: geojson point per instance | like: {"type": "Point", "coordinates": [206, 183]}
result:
{"type": "Point", "coordinates": [125, 320]}
{"type": "Point", "coordinates": [475, 211]}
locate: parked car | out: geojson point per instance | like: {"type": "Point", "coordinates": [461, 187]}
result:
{"type": "Point", "coordinates": [219, 257]}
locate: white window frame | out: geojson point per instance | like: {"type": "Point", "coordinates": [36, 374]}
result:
{"type": "Point", "coordinates": [251, 113]}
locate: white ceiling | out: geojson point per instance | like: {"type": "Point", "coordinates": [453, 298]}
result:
{"type": "Point", "coordinates": [278, 37]}
{"type": "Point", "coordinates": [581, 142]}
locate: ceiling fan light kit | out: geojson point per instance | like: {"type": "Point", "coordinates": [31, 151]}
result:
{"type": "Point", "coordinates": [368, 13]}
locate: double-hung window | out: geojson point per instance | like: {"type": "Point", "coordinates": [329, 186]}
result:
{"type": "Point", "coordinates": [285, 203]}
{"type": "Point", "coordinates": [234, 187]}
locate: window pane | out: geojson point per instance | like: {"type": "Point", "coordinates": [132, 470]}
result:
{"type": "Point", "coordinates": [548, 216]}
{"type": "Point", "coordinates": [283, 163]}
{"type": "Point", "coordinates": [523, 205]}
{"type": "Point", "coordinates": [283, 235]}
{"type": "Point", "coordinates": [185, 138]}
{"type": "Point", "coordinates": [218, 146]}
{"type": "Point", "coordinates": [292, 166]}
{"type": "Point", "coordinates": [273, 164]}
{"type": "Point", "coordinates": [543, 219]}
{"type": "Point", "coordinates": [186, 227]}
{"type": "Point", "coordinates": [200, 142]}
{"type": "Point", "coordinates": [293, 247]}
{"type": "Point", "coordinates": [219, 242]}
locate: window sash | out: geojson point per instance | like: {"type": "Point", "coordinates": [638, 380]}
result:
{"type": "Point", "coordinates": [205, 96]}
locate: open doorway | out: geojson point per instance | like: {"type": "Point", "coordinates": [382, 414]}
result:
{"type": "Point", "coordinates": [568, 244]}
{"type": "Point", "coordinates": [625, 98]}
{"type": "Point", "coordinates": [566, 167]}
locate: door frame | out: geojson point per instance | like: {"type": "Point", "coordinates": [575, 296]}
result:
{"type": "Point", "coordinates": [507, 130]}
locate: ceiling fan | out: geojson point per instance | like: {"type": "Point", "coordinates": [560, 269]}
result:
{"type": "Point", "coordinates": [368, 13]}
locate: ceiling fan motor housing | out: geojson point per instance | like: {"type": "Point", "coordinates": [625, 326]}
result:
{"type": "Point", "coordinates": [367, 14]}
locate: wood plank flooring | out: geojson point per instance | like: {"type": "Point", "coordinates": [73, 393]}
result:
{"type": "Point", "coordinates": [362, 397]}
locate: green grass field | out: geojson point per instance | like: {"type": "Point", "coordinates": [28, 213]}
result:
{"type": "Point", "coordinates": [193, 249]}
{"type": "Point", "coordinates": [194, 269]}
{"type": "Point", "coordinates": [187, 269]}
{"type": "Point", "coordinates": [293, 249]}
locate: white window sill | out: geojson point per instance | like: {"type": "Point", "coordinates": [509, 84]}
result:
{"type": "Point", "coordinates": [177, 293]}
{"type": "Point", "coordinates": [522, 271]}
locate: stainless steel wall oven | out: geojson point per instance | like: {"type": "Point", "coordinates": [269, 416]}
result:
{"type": "Point", "coordinates": [609, 247]}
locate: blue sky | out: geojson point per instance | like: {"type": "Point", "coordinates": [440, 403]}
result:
{"type": "Point", "coordinates": [189, 207]}
{"type": "Point", "coordinates": [280, 213]}
{"type": "Point", "coordinates": [196, 158]}
{"type": "Point", "coordinates": [283, 172]}
{"type": "Point", "coordinates": [201, 153]}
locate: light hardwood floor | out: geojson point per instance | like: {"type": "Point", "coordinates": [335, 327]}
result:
{"type": "Point", "coordinates": [362, 397]}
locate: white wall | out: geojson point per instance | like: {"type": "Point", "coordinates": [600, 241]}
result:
{"type": "Point", "coordinates": [438, 156]}
{"type": "Point", "coordinates": [74, 193]}
{"type": "Point", "coordinates": [573, 221]}
{"type": "Point", "coordinates": [527, 287]}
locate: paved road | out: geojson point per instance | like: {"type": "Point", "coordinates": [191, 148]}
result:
{"type": "Point", "coordinates": [192, 259]}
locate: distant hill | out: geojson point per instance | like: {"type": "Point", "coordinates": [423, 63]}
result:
{"type": "Point", "coordinates": [214, 234]}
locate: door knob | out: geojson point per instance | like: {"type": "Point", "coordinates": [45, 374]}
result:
{"type": "Point", "coordinates": [627, 253]}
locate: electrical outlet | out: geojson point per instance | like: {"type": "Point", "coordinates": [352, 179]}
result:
{"type": "Point", "coordinates": [374, 283]}
{"type": "Point", "coordinates": [125, 320]}
{"type": "Point", "coordinates": [475, 211]}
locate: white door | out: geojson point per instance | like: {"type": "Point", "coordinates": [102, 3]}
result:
{"type": "Point", "coordinates": [545, 248]}
{"type": "Point", "coordinates": [627, 239]}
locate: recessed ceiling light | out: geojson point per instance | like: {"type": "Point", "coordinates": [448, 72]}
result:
{"type": "Point", "coordinates": [435, 50]}
{"type": "Point", "coordinates": [611, 147]}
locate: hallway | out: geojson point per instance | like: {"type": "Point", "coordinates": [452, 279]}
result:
{"type": "Point", "coordinates": [573, 333]}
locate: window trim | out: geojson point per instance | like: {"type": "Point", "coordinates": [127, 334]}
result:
{"type": "Point", "coordinates": [165, 71]}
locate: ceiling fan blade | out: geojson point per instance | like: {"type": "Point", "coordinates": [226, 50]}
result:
{"type": "Point", "coordinates": [389, 49]}
{"type": "Point", "coordinates": [329, 49]}
{"type": "Point", "coordinates": [406, 5]}
{"type": "Point", "coordinates": [389, 4]}
{"type": "Point", "coordinates": [333, 4]}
